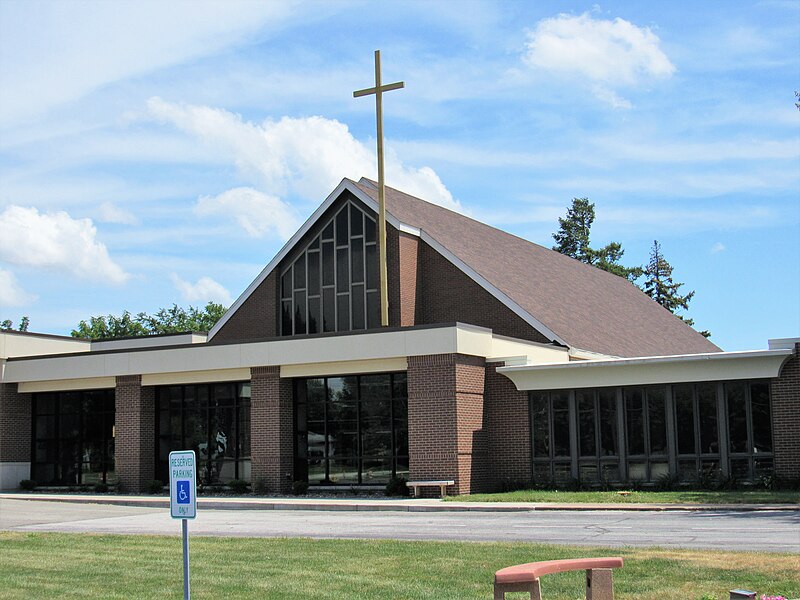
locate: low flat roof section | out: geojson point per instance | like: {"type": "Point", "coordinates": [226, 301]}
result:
{"type": "Point", "coordinates": [308, 356]}
{"type": "Point", "coordinates": [687, 368]}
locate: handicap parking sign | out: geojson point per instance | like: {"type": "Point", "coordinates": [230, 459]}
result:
{"type": "Point", "coordinates": [183, 484]}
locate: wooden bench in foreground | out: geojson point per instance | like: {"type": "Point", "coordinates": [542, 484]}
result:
{"type": "Point", "coordinates": [442, 485]}
{"type": "Point", "coordinates": [525, 578]}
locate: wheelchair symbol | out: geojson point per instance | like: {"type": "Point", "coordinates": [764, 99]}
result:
{"type": "Point", "coordinates": [183, 492]}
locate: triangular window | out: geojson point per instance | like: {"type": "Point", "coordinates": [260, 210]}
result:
{"type": "Point", "coordinates": [333, 284]}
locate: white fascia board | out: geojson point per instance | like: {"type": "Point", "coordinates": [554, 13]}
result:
{"type": "Point", "coordinates": [783, 343]}
{"type": "Point", "coordinates": [713, 366]}
{"type": "Point", "coordinates": [203, 357]}
{"type": "Point", "coordinates": [494, 291]}
{"type": "Point", "coordinates": [344, 185]}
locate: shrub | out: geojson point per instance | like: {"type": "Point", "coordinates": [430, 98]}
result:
{"type": "Point", "coordinates": [260, 487]}
{"type": "Point", "coordinates": [28, 485]}
{"type": "Point", "coordinates": [397, 487]}
{"type": "Point", "coordinates": [667, 482]}
{"type": "Point", "coordinates": [300, 488]}
{"type": "Point", "coordinates": [156, 486]}
{"type": "Point", "coordinates": [100, 488]}
{"type": "Point", "coordinates": [238, 486]}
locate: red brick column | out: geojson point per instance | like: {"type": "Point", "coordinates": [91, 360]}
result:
{"type": "Point", "coordinates": [272, 429]}
{"type": "Point", "coordinates": [785, 395]}
{"type": "Point", "coordinates": [509, 429]}
{"type": "Point", "coordinates": [446, 434]}
{"type": "Point", "coordinates": [15, 436]}
{"type": "Point", "coordinates": [134, 444]}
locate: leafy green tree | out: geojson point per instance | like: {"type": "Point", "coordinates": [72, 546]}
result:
{"type": "Point", "coordinates": [174, 319]}
{"type": "Point", "coordinates": [8, 324]}
{"type": "Point", "coordinates": [572, 239]}
{"type": "Point", "coordinates": [659, 285]}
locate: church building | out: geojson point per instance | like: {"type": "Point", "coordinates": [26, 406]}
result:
{"type": "Point", "coordinates": [503, 363]}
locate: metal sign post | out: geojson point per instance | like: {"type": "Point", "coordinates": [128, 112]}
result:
{"type": "Point", "coordinates": [183, 500]}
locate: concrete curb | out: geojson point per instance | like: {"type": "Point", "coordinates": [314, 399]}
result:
{"type": "Point", "coordinates": [366, 505]}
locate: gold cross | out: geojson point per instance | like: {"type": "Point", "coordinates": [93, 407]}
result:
{"type": "Point", "coordinates": [378, 91]}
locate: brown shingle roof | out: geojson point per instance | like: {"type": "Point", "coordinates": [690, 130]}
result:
{"type": "Point", "coordinates": [586, 307]}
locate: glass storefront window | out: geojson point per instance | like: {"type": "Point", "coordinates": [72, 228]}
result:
{"type": "Point", "coordinates": [214, 421]}
{"type": "Point", "coordinates": [73, 438]}
{"type": "Point", "coordinates": [351, 430]}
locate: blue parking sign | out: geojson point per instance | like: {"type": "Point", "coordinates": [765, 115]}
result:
{"type": "Point", "coordinates": [183, 484]}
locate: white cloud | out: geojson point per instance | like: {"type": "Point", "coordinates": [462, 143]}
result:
{"type": "Point", "coordinates": [305, 156]}
{"type": "Point", "coordinates": [57, 242]}
{"type": "Point", "coordinates": [258, 214]}
{"type": "Point", "coordinates": [717, 248]}
{"type": "Point", "coordinates": [110, 213]}
{"type": "Point", "coordinates": [606, 53]}
{"type": "Point", "coordinates": [11, 294]}
{"type": "Point", "coordinates": [203, 290]}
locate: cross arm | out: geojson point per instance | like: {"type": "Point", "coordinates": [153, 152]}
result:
{"type": "Point", "coordinates": [384, 88]}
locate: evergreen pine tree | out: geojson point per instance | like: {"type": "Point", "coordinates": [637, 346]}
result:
{"type": "Point", "coordinates": [658, 284]}
{"type": "Point", "coordinates": [572, 239]}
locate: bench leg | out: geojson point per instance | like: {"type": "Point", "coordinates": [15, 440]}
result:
{"type": "Point", "coordinates": [416, 491]}
{"type": "Point", "coordinates": [443, 490]}
{"type": "Point", "coordinates": [599, 584]}
{"type": "Point", "coordinates": [533, 588]}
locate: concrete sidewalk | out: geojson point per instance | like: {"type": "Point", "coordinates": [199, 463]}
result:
{"type": "Point", "coordinates": [381, 504]}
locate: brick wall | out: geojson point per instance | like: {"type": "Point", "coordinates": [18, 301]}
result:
{"type": "Point", "coordinates": [445, 294]}
{"type": "Point", "coordinates": [446, 420]}
{"type": "Point", "coordinates": [15, 424]}
{"type": "Point", "coordinates": [271, 429]}
{"type": "Point", "coordinates": [785, 393]}
{"type": "Point", "coordinates": [257, 318]}
{"type": "Point", "coordinates": [401, 266]}
{"type": "Point", "coordinates": [509, 429]}
{"type": "Point", "coordinates": [135, 433]}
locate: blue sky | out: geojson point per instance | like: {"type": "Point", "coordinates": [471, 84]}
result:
{"type": "Point", "coordinates": [156, 153]}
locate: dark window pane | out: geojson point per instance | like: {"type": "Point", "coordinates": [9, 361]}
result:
{"type": "Point", "coordinates": [369, 229]}
{"type": "Point", "coordinates": [314, 317]}
{"type": "Point", "coordinates": [359, 316]}
{"type": "Point", "coordinates": [286, 317]}
{"type": "Point", "coordinates": [342, 271]}
{"type": "Point", "coordinates": [586, 423]}
{"type": "Point", "coordinates": [328, 310]}
{"type": "Point", "coordinates": [357, 260]}
{"type": "Point", "coordinates": [327, 264]}
{"type": "Point", "coordinates": [286, 284]}
{"type": "Point", "coordinates": [400, 385]}
{"type": "Point", "coordinates": [299, 269]}
{"type": "Point", "coordinates": [327, 233]}
{"type": "Point", "coordinates": [707, 407]}
{"type": "Point", "coordinates": [314, 245]}
{"type": "Point", "coordinates": [343, 312]}
{"type": "Point", "coordinates": [372, 267]}
{"type": "Point", "coordinates": [684, 418]}
{"type": "Point", "coordinates": [561, 444]}
{"type": "Point", "coordinates": [608, 423]}
{"type": "Point", "coordinates": [762, 424]}
{"type": "Point", "coordinates": [313, 273]}
{"type": "Point", "coordinates": [356, 225]}
{"type": "Point", "coordinates": [45, 404]}
{"type": "Point", "coordinates": [375, 387]}
{"type": "Point", "coordinates": [540, 416]}
{"type": "Point", "coordinates": [737, 416]}
{"type": "Point", "coordinates": [634, 421]}
{"type": "Point", "coordinates": [373, 310]}
{"type": "Point", "coordinates": [341, 227]}
{"type": "Point", "coordinates": [299, 313]}
{"type": "Point", "coordinates": [657, 417]}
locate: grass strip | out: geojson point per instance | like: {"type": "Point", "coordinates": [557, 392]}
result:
{"type": "Point", "coordinates": [51, 565]}
{"type": "Point", "coordinates": [640, 497]}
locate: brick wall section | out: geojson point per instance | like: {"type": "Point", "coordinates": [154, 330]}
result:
{"type": "Point", "coordinates": [257, 318]}
{"type": "Point", "coordinates": [508, 428]}
{"type": "Point", "coordinates": [408, 247]}
{"type": "Point", "coordinates": [445, 294]}
{"type": "Point", "coordinates": [272, 429]}
{"type": "Point", "coordinates": [447, 438]}
{"type": "Point", "coordinates": [135, 434]}
{"type": "Point", "coordinates": [785, 394]}
{"type": "Point", "coordinates": [15, 424]}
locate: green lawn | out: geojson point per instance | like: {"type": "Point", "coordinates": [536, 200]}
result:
{"type": "Point", "coordinates": [681, 497]}
{"type": "Point", "coordinates": [45, 565]}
